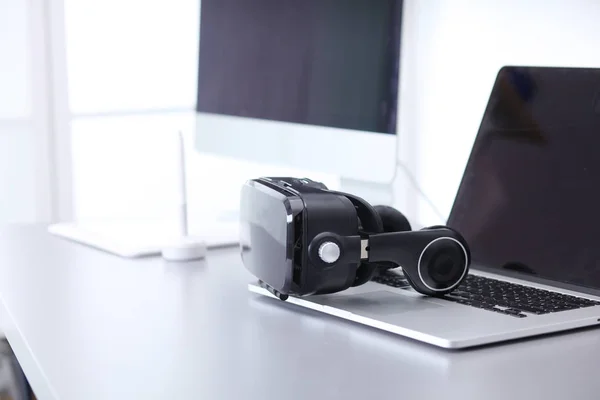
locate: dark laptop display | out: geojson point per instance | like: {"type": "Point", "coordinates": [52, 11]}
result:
{"type": "Point", "coordinates": [530, 194]}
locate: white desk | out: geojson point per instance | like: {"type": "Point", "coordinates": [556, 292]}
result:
{"type": "Point", "coordinates": [87, 325]}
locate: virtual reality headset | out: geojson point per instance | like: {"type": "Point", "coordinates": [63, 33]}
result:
{"type": "Point", "coordinates": [299, 238]}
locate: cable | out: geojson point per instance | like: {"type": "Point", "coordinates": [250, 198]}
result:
{"type": "Point", "coordinates": [413, 180]}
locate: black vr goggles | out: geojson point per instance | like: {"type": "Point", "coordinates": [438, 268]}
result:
{"type": "Point", "coordinates": [299, 238]}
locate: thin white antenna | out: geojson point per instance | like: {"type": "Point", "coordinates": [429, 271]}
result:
{"type": "Point", "coordinates": [182, 187]}
{"type": "Point", "coordinates": [184, 248]}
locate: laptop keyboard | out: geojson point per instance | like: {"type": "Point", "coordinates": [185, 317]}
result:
{"type": "Point", "coordinates": [499, 296]}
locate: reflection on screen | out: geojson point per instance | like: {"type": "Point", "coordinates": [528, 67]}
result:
{"type": "Point", "coordinates": [531, 190]}
{"type": "Point", "coordinates": [321, 62]}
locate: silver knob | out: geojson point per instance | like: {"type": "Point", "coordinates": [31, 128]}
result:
{"type": "Point", "coordinates": [329, 252]}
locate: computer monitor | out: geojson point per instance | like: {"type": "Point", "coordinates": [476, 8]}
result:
{"type": "Point", "coordinates": [310, 84]}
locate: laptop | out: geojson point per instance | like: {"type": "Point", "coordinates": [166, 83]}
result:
{"type": "Point", "coordinates": [529, 206]}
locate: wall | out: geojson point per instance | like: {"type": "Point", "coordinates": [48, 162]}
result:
{"type": "Point", "coordinates": [17, 134]}
{"type": "Point", "coordinates": [145, 62]}
{"type": "Point", "coordinates": [452, 52]}
{"type": "Point", "coordinates": [131, 55]}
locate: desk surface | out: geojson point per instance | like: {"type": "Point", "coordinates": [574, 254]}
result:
{"type": "Point", "coordinates": [88, 325]}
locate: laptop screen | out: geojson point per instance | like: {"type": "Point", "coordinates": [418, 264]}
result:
{"type": "Point", "coordinates": [530, 195]}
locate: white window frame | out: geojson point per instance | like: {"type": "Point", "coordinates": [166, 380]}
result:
{"type": "Point", "coordinates": [53, 178]}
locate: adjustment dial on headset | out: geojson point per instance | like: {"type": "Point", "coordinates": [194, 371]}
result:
{"type": "Point", "coordinates": [329, 252]}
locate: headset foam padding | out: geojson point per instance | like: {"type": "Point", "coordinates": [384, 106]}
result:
{"type": "Point", "coordinates": [392, 219]}
{"type": "Point", "coordinates": [369, 222]}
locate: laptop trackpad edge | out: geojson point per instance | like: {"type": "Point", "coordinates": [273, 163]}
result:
{"type": "Point", "coordinates": [380, 302]}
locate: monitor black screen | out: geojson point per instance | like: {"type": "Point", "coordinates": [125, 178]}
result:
{"type": "Point", "coordinates": [332, 63]}
{"type": "Point", "coordinates": [530, 194]}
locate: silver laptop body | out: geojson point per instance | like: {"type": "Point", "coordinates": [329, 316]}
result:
{"type": "Point", "coordinates": [529, 206]}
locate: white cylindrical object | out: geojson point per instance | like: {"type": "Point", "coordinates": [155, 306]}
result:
{"type": "Point", "coordinates": [187, 249]}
